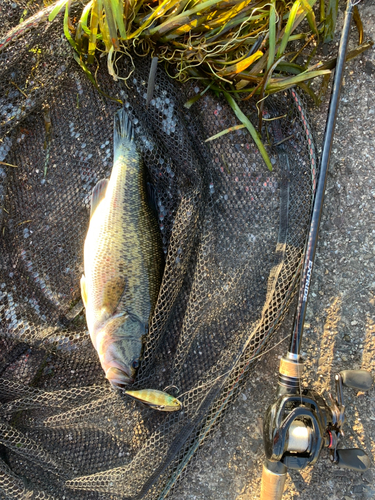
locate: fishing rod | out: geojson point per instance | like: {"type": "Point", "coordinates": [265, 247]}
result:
{"type": "Point", "coordinates": [300, 423]}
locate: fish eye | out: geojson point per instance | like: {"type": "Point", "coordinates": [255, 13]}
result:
{"type": "Point", "coordinates": [135, 364]}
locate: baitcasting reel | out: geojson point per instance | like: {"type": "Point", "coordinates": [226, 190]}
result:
{"type": "Point", "coordinates": [301, 423]}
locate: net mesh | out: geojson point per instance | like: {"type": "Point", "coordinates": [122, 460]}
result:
{"type": "Point", "coordinates": [233, 235]}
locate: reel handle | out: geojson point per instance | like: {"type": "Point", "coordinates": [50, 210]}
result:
{"type": "Point", "coordinates": [273, 480]}
{"type": "Point", "coordinates": [354, 459]}
{"type": "Point", "coordinates": [357, 379]}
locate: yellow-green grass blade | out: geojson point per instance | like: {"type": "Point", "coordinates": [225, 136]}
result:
{"type": "Point", "coordinates": [228, 15]}
{"type": "Point", "coordinates": [293, 68]}
{"type": "Point", "coordinates": [88, 73]}
{"type": "Point", "coordinates": [188, 104]}
{"type": "Point", "coordinates": [228, 62]}
{"type": "Point", "coordinates": [215, 33]}
{"type": "Point", "coordinates": [104, 29]}
{"type": "Point", "coordinates": [331, 63]}
{"type": "Point", "coordinates": [194, 22]}
{"type": "Point", "coordinates": [158, 12]}
{"type": "Point", "coordinates": [232, 19]}
{"type": "Point", "coordinates": [79, 38]}
{"type": "Point", "coordinates": [66, 26]}
{"type": "Point", "coordinates": [118, 12]}
{"type": "Point", "coordinates": [323, 88]}
{"type": "Point", "coordinates": [182, 18]}
{"type": "Point", "coordinates": [310, 16]}
{"type": "Point", "coordinates": [301, 15]}
{"type": "Point", "coordinates": [226, 131]}
{"type": "Point", "coordinates": [299, 36]}
{"type": "Point", "coordinates": [251, 32]}
{"type": "Point", "coordinates": [271, 36]}
{"type": "Point", "coordinates": [330, 20]}
{"type": "Point", "coordinates": [245, 121]}
{"type": "Point", "coordinates": [84, 18]}
{"type": "Point", "coordinates": [266, 79]}
{"type": "Point", "coordinates": [251, 78]}
{"type": "Point", "coordinates": [162, 11]}
{"type": "Point", "coordinates": [358, 23]}
{"type": "Point", "coordinates": [289, 27]}
{"type": "Point", "coordinates": [277, 84]}
{"type": "Point", "coordinates": [180, 6]}
{"type": "Point", "coordinates": [268, 75]}
{"type": "Point", "coordinates": [259, 65]}
{"type": "Point", "coordinates": [242, 65]}
{"type": "Point", "coordinates": [294, 20]}
{"type": "Point", "coordinates": [110, 21]}
{"type": "Point", "coordinates": [58, 8]}
{"type": "Point", "coordinates": [322, 10]}
{"type": "Point", "coordinates": [94, 23]}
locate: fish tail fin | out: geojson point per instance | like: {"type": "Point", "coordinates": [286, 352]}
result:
{"type": "Point", "coordinates": [123, 133]}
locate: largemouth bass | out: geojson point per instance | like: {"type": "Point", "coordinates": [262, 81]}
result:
{"type": "Point", "coordinates": [122, 261]}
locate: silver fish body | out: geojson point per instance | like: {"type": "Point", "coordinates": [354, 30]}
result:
{"type": "Point", "coordinates": [122, 261]}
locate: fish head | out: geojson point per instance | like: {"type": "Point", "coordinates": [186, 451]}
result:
{"type": "Point", "coordinates": [119, 345]}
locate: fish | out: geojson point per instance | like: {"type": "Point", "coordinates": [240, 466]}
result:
{"type": "Point", "coordinates": [158, 400]}
{"type": "Point", "coordinates": [123, 260]}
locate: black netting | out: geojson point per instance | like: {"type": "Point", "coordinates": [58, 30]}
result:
{"type": "Point", "coordinates": [233, 235]}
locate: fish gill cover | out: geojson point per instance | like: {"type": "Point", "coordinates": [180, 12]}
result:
{"type": "Point", "coordinates": [232, 233]}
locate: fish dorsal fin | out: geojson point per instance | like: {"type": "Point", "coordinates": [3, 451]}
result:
{"type": "Point", "coordinates": [84, 290]}
{"type": "Point", "coordinates": [98, 194]}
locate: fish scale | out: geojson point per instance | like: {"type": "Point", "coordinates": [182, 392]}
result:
{"type": "Point", "coordinates": [122, 261]}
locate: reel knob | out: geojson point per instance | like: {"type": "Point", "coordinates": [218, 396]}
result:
{"type": "Point", "coordinates": [354, 459]}
{"type": "Point", "coordinates": [357, 379]}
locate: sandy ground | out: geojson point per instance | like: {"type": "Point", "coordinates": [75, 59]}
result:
{"type": "Point", "coordinates": [340, 323]}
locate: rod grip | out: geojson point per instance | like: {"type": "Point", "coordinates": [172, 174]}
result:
{"type": "Point", "coordinates": [273, 480]}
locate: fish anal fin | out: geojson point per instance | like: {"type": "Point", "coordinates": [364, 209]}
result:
{"type": "Point", "coordinates": [98, 194]}
{"type": "Point", "coordinates": [84, 290]}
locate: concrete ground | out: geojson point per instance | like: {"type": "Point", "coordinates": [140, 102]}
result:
{"type": "Point", "coordinates": [340, 323]}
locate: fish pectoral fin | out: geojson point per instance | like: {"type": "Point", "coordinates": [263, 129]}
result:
{"type": "Point", "coordinates": [113, 293]}
{"type": "Point", "coordinates": [98, 194]}
{"type": "Point", "coordinates": [83, 290]}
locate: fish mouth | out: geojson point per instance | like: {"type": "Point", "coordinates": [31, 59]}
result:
{"type": "Point", "coordinates": [119, 378]}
